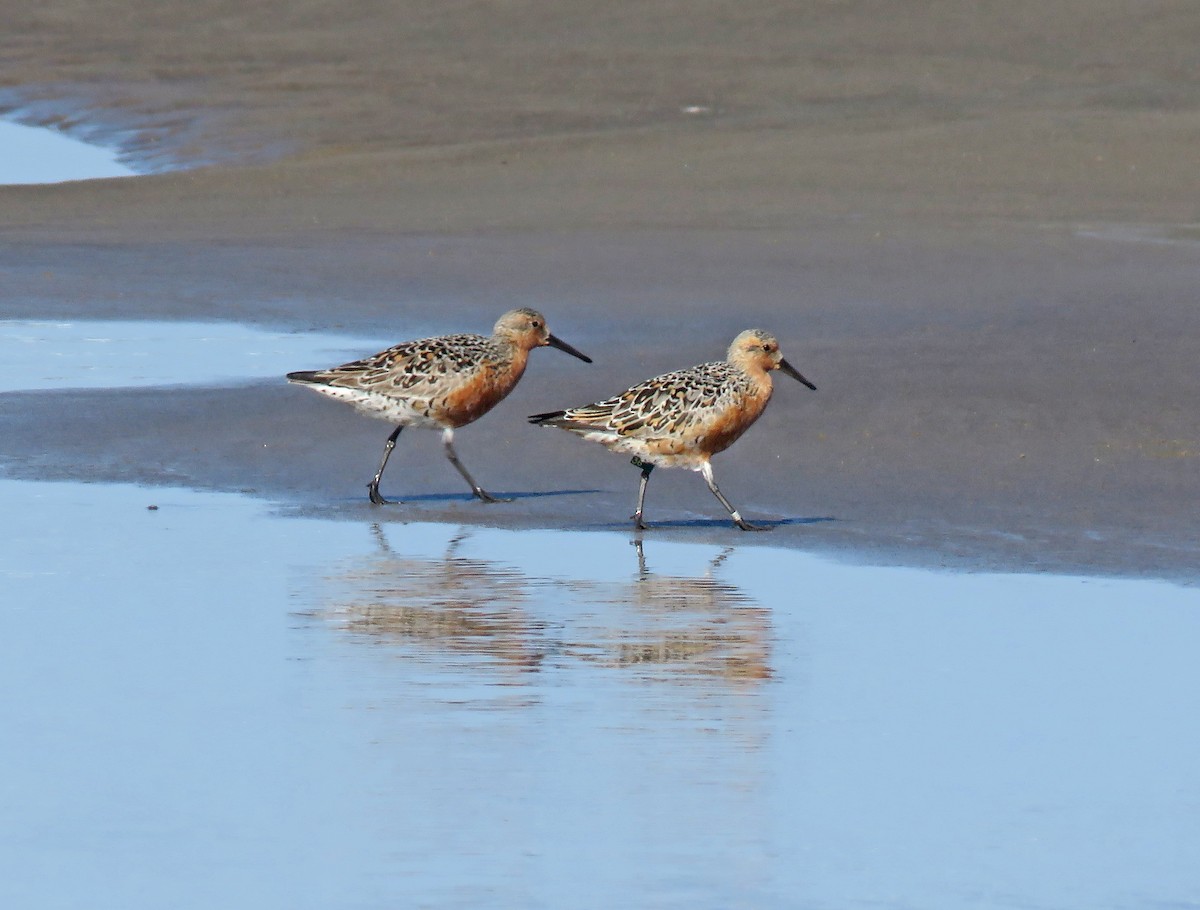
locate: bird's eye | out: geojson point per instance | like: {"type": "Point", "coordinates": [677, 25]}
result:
{"type": "Point", "coordinates": [536, 324]}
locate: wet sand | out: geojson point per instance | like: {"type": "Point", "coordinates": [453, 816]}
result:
{"type": "Point", "coordinates": [974, 232]}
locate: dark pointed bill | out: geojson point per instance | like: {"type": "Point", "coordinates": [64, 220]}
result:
{"type": "Point", "coordinates": [795, 374]}
{"type": "Point", "coordinates": [554, 341]}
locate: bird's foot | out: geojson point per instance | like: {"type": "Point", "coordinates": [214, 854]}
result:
{"type": "Point", "coordinates": [485, 496]}
{"type": "Point", "coordinates": [746, 526]}
{"type": "Point", "coordinates": [375, 497]}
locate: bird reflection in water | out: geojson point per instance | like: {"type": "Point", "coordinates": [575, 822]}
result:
{"type": "Point", "coordinates": [654, 625]}
{"type": "Point", "coordinates": [455, 603]}
{"type": "Point", "coordinates": [682, 626]}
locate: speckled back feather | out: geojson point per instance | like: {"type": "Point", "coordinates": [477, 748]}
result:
{"type": "Point", "coordinates": [679, 418]}
{"type": "Point", "coordinates": [420, 368]}
{"type": "Point", "coordinates": [668, 405]}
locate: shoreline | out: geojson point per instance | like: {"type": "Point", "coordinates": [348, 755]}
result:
{"type": "Point", "coordinates": [1103, 486]}
{"type": "Point", "coordinates": [1071, 451]}
{"type": "Point", "coordinates": [308, 480]}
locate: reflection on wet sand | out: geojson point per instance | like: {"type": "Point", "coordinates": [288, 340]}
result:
{"type": "Point", "coordinates": [662, 626]}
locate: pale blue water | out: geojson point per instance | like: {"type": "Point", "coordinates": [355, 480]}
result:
{"type": "Point", "coordinates": [30, 154]}
{"type": "Point", "coordinates": [218, 704]}
{"type": "Point", "coordinates": [113, 354]}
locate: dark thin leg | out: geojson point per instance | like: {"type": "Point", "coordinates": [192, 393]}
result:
{"type": "Point", "coordinates": [373, 486]}
{"type": "Point", "coordinates": [646, 469]}
{"type": "Point", "coordinates": [448, 442]}
{"type": "Point", "coordinates": [707, 471]}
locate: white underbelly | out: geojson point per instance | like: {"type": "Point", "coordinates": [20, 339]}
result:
{"type": "Point", "coordinates": [410, 412]}
{"type": "Point", "coordinates": [627, 445]}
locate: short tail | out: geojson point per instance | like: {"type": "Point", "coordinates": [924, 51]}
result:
{"type": "Point", "coordinates": [302, 376]}
{"type": "Point", "coordinates": [548, 418]}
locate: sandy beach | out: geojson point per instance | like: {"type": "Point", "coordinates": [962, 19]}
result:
{"type": "Point", "coordinates": [973, 228]}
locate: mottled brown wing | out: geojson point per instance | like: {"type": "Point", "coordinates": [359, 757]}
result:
{"type": "Point", "coordinates": [666, 405]}
{"type": "Point", "coordinates": [414, 368]}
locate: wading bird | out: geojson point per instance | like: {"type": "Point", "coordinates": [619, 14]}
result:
{"type": "Point", "coordinates": [682, 419]}
{"type": "Point", "coordinates": [438, 383]}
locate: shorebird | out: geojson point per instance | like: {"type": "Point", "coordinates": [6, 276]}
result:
{"type": "Point", "coordinates": [438, 383]}
{"type": "Point", "coordinates": [682, 419]}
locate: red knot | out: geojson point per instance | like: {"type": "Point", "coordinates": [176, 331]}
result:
{"type": "Point", "coordinates": [438, 383]}
{"type": "Point", "coordinates": [682, 419]}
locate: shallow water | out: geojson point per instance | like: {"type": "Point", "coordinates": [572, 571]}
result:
{"type": "Point", "coordinates": [33, 154]}
{"type": "Point", "coordinates": [215, 703]}
{"type": "Point", "coordinates": [128, 354]}
{"type": "Point", "coordinates": [1178, 235]}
